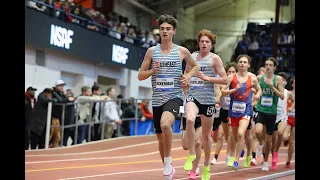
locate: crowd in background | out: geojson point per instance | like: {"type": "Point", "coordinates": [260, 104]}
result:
{"type": "Point", "coordinates": [112, 24]}
{"type": "Point", "coordinates": [258, 44]}
{"type": "Point", "coordinates": [108, 113]}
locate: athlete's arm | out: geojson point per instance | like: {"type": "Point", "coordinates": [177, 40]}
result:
{"type": "Point", "coordinates": [145, 72]}
{"type": "Point", "coordinates": [225, 91]}
{"type": "Point", "coordinates": [279, 90]}
{"type": "Point", "coordinates": [190, 61]}
{"type": "Point", "coordinates": [290, 96]}
{"type": "Point", "coordinates": [256, 86]}
{"type": "Point", "coordinates": [219, 69]}
{"type": "Point", "coordinates": [217, 93]}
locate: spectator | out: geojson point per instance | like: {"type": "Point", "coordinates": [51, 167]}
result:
{"type": "Point", "coordinates": [39, 119]}
{"type": "Point", "coordinates": [291, 38]}
{"type": "Point", "coordinates": [111, 114]}
{"type": "Point", "coordinates": [130, 36]}
{"type": "Point", "coordinates": [130, 112]}
{"type": "Point", "coordinates": [96, 113]}
{"type": "Point", "coordinates": [29, 102]}
{"type": "Point", "coordinates": [84, 111]}
{"type": "Point", "coordinates": [254, 45]}
{"type": "Point", "coordinates": [58, 96]}
{"type": "Point", "coordinates": [69, 119]}
{"type": "Point", "coordinates": [145, 110]}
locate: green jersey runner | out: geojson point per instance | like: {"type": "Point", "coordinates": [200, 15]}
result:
{"type": "Point", "coordinates": [269, 100]}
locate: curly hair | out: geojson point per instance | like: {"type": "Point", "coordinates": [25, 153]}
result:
{"type": "Point", "coordinates": [209, 34]}
{"type": "Point", "coordinates": [167, 19]}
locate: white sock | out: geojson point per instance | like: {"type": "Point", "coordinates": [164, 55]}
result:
{"type": "Point", "coordinates": [167, 160]}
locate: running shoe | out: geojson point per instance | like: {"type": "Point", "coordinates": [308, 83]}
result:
{"type": "Point", "coordinates": [197, 171]}
{"type": "Point", "coordinates": [247, 162]}
{"type": "Point", "coordinates": [188, 165]}
{"type": "Point", "coordinates": [235, 166]}
{"type": "Point", "coordinates": [265, 166]}
{"type": "Point", "coordinates": [167, 169]}
{"type": "Point", "coordinates": [230, 163]}
{"type": "Point", "coordinates": [205, 173]}
{"type": "Point", "coordinates": [253, 162]}
{"type": "Point", "coordinates": [170, 176]}
{"type": "Point", "coordinates": [213, 161]}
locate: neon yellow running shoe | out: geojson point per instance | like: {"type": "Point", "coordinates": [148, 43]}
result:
{"type": "Point", "coordinates": [188, 165]}
{"type": "Point", "coordinates": [205, 173]}
{"type": "Point", "coordinates": [231, 161]}
{"type": "Point", "coordinates": [247, 162]}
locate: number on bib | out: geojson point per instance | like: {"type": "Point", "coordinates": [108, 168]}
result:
{"type": "Point", "coordinates": [165, 83]}
{"type": "Point", "coordinates": [196, 83]}
{"type": "Point", "coordinates": [210, 110]}
{"type": "Point", "coordinates": [266, 101]}
{"type": "Point", "coordinates": [239, 107]}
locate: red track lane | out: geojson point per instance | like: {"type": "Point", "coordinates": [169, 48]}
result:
{"type": "Point", "coordinates": [140, 162]}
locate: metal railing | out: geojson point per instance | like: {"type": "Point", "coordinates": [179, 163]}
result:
{"type": "Point", "coordinates": [89, 120]}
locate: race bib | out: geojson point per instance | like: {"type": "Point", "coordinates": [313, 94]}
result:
{"type": "Point", "coordinates": [196, 83]}
{"type": "Point", "coordinates": [239, 107]}
{"type": "Point", "coordinates": [226, 102]}
{"type": "Point", "coordinates": [217, 113]}
{"type": "Point", "coordinates": [292, 114]}
{"type": "Point", "coordinates": [164, 83]}
{"type": "Point", "coordinates": [266, 101]}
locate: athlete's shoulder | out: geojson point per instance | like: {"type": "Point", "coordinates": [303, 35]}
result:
{"type": "Point", "coordinates": [183, 49]}
{"type": "Point", "coordinates": [278, 78]}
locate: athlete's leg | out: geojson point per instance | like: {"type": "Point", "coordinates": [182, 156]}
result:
{"type": "Point", "coordinates": [160, 146]}
{"type": "Point", "coordinates": [243, 125]}
{"type": "Point", "coordinates": [291, 146]}
{"type": "Point", "coordinates": [281, 128]}
{"type": "Point", "coordinates": [248, 142]}
{"type": "Point", "coordinates": [197, 148]}
{"type": "Point", "coordinates": [286, 135]}
{"type": "Point", "coordinates": [270, 125]}
{"type": "Point", "coordinates": [231, 147]}
{"type": "Point", "coordinates": [254, 144]}
{"type": "Point", "coordinates": [218, 137]}
{"type": "Point", "coordinates": [191, 113]}
{"type": "Point", "coordinates": [184, 141]}
{"type": "Point", "coordinates": [206, 123]}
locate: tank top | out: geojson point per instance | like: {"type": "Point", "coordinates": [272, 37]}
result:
{"type": "Point", "coordinates": [165, 83]}
{"type": "Point", "coordinates": [241, 100]}
{"type": "Point", "coordinates": [202, 91]}
{"type": "Point", "coordinates": [282, 107]}
{"type": "Point", "coordinates": [225, 102]}
{"type": "Point", "coordinates": [289, 104]}
{"type": "Point", "coordinates": [269, 100]}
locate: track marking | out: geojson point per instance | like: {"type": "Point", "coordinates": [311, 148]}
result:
{"type": "Point", "coordinates": [148, 170]}
{"type": "Point", "coordinates": [98, 158]}
{"type": "Point", "coordinates": [276, 175]}
{"type": "Point", "coordinates": [94, 142]}
{"type": "Point", "coordinates": [110, 164]}
{"type": "Point", "coordinates": [101, 151]}
{"type": "Point", "coordinates": [232, 171]}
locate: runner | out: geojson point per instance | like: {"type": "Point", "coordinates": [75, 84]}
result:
{"type": "Point", "coordinates": [272, 90]}
{"type": "Point", "coordinates": [224, 129]}
{"type": "Point", "coordinates": [240, 113]}
{"type": "Point", "coordinates": [254, 141]}
{"type": "Point", "coordinates": [197, 146]}
{"type": "Point", "coordinates": [281, 121]}
{"type": "Point", "coordinates": [289, 135]}
{"type": "Point", "coordinates": [200, 99]}
{"type": "Point", "coordinates": [167, 84]}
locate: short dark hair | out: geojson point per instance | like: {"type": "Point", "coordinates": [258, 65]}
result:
{"type": "Point", "coordinates": [273, 60]}
{"type": "Point", "coordinates": [283, 75]}
{"type": "Point", "coordinates": [292, 79]}
{"type": "Point", "coordinates": [166, 18]}
{"type": "Point", "coordinates": [231, 64]}
{"type": "Point", "coordinates": [244, 55]}
{"type": "Point", "coordinates": [95, 88]}
{"type": "Point", "coordinates": [109, 89]}
{"type": "Point", "coordinates": [48, 90]}
{"type": "Point", "coordinates": [84, 88]}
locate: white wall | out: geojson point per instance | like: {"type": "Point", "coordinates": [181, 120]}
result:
{"type": "Point", "coordinates": [133, 88]}
{"type": "Point", "coordinates": [124, 8]}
